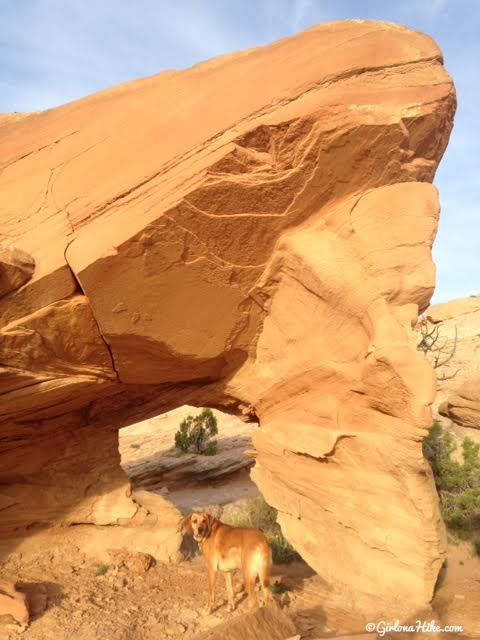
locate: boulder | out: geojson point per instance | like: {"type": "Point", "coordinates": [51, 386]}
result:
{"type": "Point", "coordinates": [152, 462]}
{"type": "Point", "coordinates": [457, 323]}
{"type": "Point", "coordinates": [36, 597]}
{"type": "Point", "coordinates": [13, 603]}
{"type": "Point", "coordinates": [134, 561]}
{"type": "Point", "coordinates": [463, 407]}
{"type": "Point", "coordinates": [16, 268]}
{"type": "Point", "coordinates": [251, 234]}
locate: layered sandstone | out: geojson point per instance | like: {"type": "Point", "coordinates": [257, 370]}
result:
{"type": "Point", "coordinates": [253, 234]}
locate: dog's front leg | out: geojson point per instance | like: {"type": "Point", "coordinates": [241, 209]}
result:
{"type": "Point", "coordinates": [230, 593]}
{"type": "Point", "coordinates": [212, 578]}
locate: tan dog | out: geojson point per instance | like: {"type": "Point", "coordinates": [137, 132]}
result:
{"type": "Point", "coordinates": [228, 548]}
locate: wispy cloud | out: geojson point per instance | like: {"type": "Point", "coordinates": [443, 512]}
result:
{"type": "Point", "coordinates": [300, 10]}
{"type": "Point", "coordinates": [57, 44]}
{"type": "Point", "coordinates": [434, 7]}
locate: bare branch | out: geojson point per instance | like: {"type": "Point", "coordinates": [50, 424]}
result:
{"type": "Point", "coordinates": [438, 348]}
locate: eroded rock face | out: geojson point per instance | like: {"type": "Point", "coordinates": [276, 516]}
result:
{"type": "Point", "coordinates": [16, 268]}
{"type": "Point", "coordinates": [252, 234]}
{"type": "Point", "coordinates": [266, 623]}
{"type": "Point", "coordinates": [463, 407]}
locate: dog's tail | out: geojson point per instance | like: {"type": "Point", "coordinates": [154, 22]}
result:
{"type": "Point", "coordinates": [265, 567]}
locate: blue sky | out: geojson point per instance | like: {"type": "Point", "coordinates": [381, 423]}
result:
{"type": "Point", "coordinates": [53, 51]}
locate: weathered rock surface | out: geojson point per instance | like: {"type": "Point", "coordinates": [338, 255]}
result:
{"type": "Point", "coordinates": [16, 268]}
{"type": "Point", "coordinates": [36, 597]}
{"type": "Point", "coordinates": [134, 561]}
{"type": "Point", "coordinates": [463, 407]}
{"type": "Point", "coordinates": [252, 234]}
{"type": "Point", "coordinates": [161, 534]}
{"type": "Point", "coordinates": [457, 324]}
{"type": "Point", "coordinates": [13, 603]}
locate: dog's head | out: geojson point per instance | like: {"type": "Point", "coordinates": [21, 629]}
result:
{"type": "Point", "coordinates": [200, 525]}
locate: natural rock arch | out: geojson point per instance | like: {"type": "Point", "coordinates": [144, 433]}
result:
{"type": "Point", "coordinates": [253, 234]}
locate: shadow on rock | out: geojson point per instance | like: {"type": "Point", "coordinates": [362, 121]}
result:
{"type": "Point", "coordinates": [40, 596]}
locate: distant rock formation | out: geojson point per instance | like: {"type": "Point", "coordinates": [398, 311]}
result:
{"type": "Point", "coordinates": [253, 234]}
{"type": "Point", "coordinates": [16, 268]}
{"type": "Point", "coordinates": [152, 462]}
{"type": "Point", "coordinates": [463, 407]}
{"type": "Point", "coordinates": [458, 398]}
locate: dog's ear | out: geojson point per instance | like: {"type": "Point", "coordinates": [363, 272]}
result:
{"type": "Point", "coordinates": [210, 522]}
{"type": "Point", "coordinates": [187, 524]}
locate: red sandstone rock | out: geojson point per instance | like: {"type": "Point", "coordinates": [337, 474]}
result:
{"type": "Point", "coordinates": [253, 234]}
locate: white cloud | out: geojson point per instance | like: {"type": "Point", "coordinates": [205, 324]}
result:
{"type": "Point", "coordinates": [300, 9]}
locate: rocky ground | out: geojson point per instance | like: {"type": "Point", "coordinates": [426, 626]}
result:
{"type": "Point", "coordinates": [76, 594]}
{"type": "Point", "coordinates": [77, 597]}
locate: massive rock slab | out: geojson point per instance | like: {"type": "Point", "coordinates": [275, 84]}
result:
{"type": "Point", "coordinates": [253, 234]}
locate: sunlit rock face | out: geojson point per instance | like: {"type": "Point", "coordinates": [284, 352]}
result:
{"type": "Point", "coordinates": [455, 331]}
{"type": "Point", "coordinates": [252, 233]}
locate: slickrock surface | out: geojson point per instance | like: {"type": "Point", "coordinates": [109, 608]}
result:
{"type": "Point", "coordinates": [252, 234]}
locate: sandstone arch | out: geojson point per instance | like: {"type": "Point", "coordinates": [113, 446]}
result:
{"type": "Point", "coordinates": [254, 234]}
